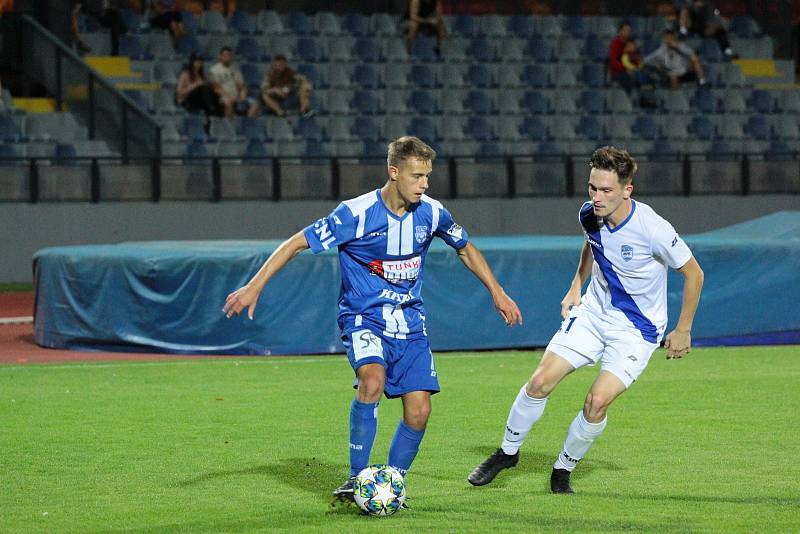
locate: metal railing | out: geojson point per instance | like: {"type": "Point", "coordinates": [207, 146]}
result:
{"type": "Point", "coordinates": [106, 111]}
{"type": "Point", "coordinates": [111, 178]}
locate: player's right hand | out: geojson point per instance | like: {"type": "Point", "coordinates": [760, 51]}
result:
{"type": "Point", "coordinates": [244, 297]}
{"type": "Point", "coordinates": [572, 298]}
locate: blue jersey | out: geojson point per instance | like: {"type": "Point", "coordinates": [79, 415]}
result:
{"type": "Point", "coordinates": [382, 258]}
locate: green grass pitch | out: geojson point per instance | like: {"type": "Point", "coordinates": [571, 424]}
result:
{"type": "Point", "coordinates": [704, 444]}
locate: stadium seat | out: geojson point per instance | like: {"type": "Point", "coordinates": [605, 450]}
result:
{"type": "Point", "coordinates": [549, 149]}
{"type": "Point", "coordinates": [730, 127]}
{"type": "Point", "coordinates": [521, 26]}
{"type": "Point", "coordinates": [593, 75]}
{"type": "Point", "coordinates": [248, 48]}
{"type": "Point", "coordinates": [534, 129]}
{"type": "Point", "coordinates": [299, 23]}
{"type": "Point", "coordinates": [327, 23]}
{"type": "Point", "coordinates": [493, 26]}
{"type": "Point", "coordinates": [7, 155]}
{"type": "Point", "coordinates": [480, 50]}
{"type": "Point", "coordinates": [662, 149]}
{"type": "Point", "coordinates": [576, 26]}
{"type": "Point", "coordinates": [309, 50]}
{"type": "Point", "coordinates": [479, 129]}
{"type": "Point", "coordinates": [366, 129]}
{"type": "Point", "coordinates": [589, 128]}
{"type": "Point", "coordinates": [139, 99]}
{"type": "Point", "coordinates": [65, 154]}
{"type": "Point", "coordinates": [744, 27]}
{"type": "Point", "coordinates": [539, 50]}
{"type": "Point", "coordinates": [222, 129]}
{"type": "Point", "coordinates": [423, 128]}
{"type": "Point", "coordinates": [241, 22]}
{"type": "Point", "coordinates": [709, 51]}
{"type": "Point", "coordinates": [251, 74]}
{"type": "Point", "coordinates": [702, 128]}
{"type": "Point", "coordinates": [188, 45]}
{"type": "Point", "coordinates": [313, 75]}
{"type": "Point", "coordinates": [565, 75]}
{"type": "Point", "coordinates": [568, 49]}
{"type": "Point", "coordinates": [779, 151]}
{"type": "Point", "coordinates": [394, 51]}
{"type": "Point", "coordinates": [786, 127]}
{"type": "Point", "coordinates": [703, 100]}
{"type": "Point", "coordinates": [355, 24]}
{"type": "Point", "coordinates": [131, 19]}
{"type": "Point", "coordinates": [308, 128]}
{"type": "Point", "coordinates": [618, 101]}
{"type": "Point", "coordinates": [673, 101]}
{"type": "Point", "coordinates": [374, 149]}
{"type": "Point", "coordinates": [315, 149]}
{"type": "Point", "coordinates": [190, 22]}
{"type": "Point", "coordinates": [534, 75]}
{"type": "Point", "coordinates": [595, 48]}
{"type": "Point", "coordinates": [549, 26]}
{"type": "Point", "coordinates": [509, 104]}
{"type": "Point", "coordinates": [758, 127]}
{"type": "Point", "coordinates": [423, 102]}
{"type": "Point", "coordinates": [338, 101]}
{"type": "Point", "coordinates": [366, 102]}
{"type": "Point", "coordinates": [645, 127]}
{"type": "Point", "coordinates": [192, 128]}
{"type": "Point", "coordinates": [732, 101]}
{"type": "Point", "coordinates": [424, 49]}
{"type": "Point", "coordinates": [270, 23]}
{"type": "Point", "coordinates": [761, 101]}
{"type": "Point", "coordinates": [563, 101]}
{"type": "Point", "coordinates": [478, 75]}
{"type": "Point", "coordinates": [367, 49]}
{"type": "Point", "coordinates": [618, 126]}
{"type": "Point", "coordinates": [592, 101]}
{"type": "Point", "coordinates": [9, 130]}
{"type": "Point", "coordinates": [160, 47]}
{"type": "Point", "coordinates": [384, 24]}
{"type": "Point", "coordinates": [257, 154]}
{"type": "Point", "coordinates": [365, 76]}
{"type": "Point", "coordinates": [464, 25]}
{"type": "Point", "coordinates": [535, 103]}
{"type": "Point", "coordinates": [252, 129]}
{"type": "Point", "coordinates": [131, 46]}
{"type": "Point", "coordinates": [213, 21]}
{"type": "Point", "coordinates": [721, 150]}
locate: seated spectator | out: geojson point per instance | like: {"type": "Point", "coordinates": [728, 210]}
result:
{"type": "Point", "coordinates": [425, 16]}
{"type": "Point", "coordinates": [228, 79]}
{"type": "Point", "coordinates": [616, 49]}
{"type": "Point", "coordinates": [194, 93]}
{"type": "Point", "coordinates": [674, 62]}
{"type": "Point", "coordinates": [699, 17]}
{"type": "Point", "coordinates": [165, 15]}
{"type": "Point", "coordinates": [106, 12]}
{"type": "Point", "coordinates": [284, 89]}
{"type": "Point", "coordinates": [632, 61]}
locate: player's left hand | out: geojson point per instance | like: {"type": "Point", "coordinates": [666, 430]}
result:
{"type": "Point", "coordinates": [508, 309]}
{"type": "Point", "coordinates": [678, 343]}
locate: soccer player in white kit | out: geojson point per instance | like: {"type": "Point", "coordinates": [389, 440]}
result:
{"type": "Point", "coordinates": [619, 321]}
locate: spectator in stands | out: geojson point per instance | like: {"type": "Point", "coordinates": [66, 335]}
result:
{"type": "Point", "coordinates": [616, 48]}
{"type": "Point", "coordinates": [233, 92]}
{"type": "Point", "coordinates": [632, 61]}
{"type": "Point", "coordinates": [283, 88]}
{"type": "Point", "coordinates": [194, 93]}
{"type": "Point", "coordinates": [165, 15]}
{"type": "Point", "coordinates": [106, 12]}
{"type": "Point", "coordinates": [699, 17]}
{"type": "Point", "coordinates": [675, 62]}
{"type": "Point", "coordinates": [425, 16]}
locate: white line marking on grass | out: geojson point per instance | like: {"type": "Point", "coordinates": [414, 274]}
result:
{"type": "Point", "coordinates": [257, 360]}
{"type": "Point", "coordinates": [16, 320]}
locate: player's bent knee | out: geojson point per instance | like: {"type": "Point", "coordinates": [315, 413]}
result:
{"type": "Point", "coordinates": [595, 407]}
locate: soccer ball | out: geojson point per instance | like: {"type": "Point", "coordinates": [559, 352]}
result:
{"type": "Point", "coordinates": [379, 490]}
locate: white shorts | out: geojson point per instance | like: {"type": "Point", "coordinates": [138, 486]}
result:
{"type": "Point", "coordinates": [584, 338]}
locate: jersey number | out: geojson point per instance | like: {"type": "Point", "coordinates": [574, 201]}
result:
{"type": "Point", "coordinates": [569, 324]}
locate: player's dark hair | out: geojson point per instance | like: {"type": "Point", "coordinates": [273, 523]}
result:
{"type": "Point", "coordinates": [609, 158]}
{"type": "Point", "coordinates": [408, 147]}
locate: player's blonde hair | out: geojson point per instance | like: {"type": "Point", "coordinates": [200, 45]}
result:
{"type": "Point", "coordinates": [407, 147]}
{"type": "Point", "coordinates": [609, 158]}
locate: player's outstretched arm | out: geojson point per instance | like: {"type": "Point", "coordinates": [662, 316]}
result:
{"type": "Point", "coordinates": [573, 296]}
{"type": "Point", "coordinates": [247, 295]}
{"type": "Point", "coordinates": [679, 341]}
{"type": "Point", "coordinates": [475, 262]}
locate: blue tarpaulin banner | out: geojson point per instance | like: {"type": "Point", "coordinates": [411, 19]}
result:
{"type": "Point", "coordinates": [167, 296]}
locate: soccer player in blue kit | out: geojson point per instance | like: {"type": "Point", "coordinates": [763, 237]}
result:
{"type": "Point", "coordinates": [382, 238]}
{"type": "Point", "coordinates": [619, 321]}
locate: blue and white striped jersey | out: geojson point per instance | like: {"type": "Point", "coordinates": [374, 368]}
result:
{"type": "Point", "coordinates": [382, 258]}
{"type": "Point", "coordinates": [629, 275]}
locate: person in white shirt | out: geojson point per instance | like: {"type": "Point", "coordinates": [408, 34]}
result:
{"type": "Point", "coordinates": [232, 89]}
{"type": "Point", "coordinates": [675, 62]}
{"type": "Point", "coordinates": [619, 321]}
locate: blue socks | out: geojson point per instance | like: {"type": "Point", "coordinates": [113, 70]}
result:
{"type": "Point", "coordinates": [405, 446]}
{"type": "Point", "coordinates": [363, 427]}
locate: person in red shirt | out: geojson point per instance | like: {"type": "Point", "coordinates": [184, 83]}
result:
{"type": "Point", "coordinates": [616, 48]}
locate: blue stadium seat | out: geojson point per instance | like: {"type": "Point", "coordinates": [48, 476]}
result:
{"type": "Point", "coordinates": [703, 100]}
{"type": "Point", "coordinates": [522, 25]}
{"type": "Point", "coordinates": [241, 22]}
{"type": "Point", "coordinates": [662, 149]}
{"type": "Point", "coordinates": [478, 102]}
{"type": "Point", "coordinates": [534, 75]}
{"type": "Point", "coordinates": [315, 149]}
{"type": "Point", "coordinates": [9, 130]}
{"type": "Point", "coordinates": [464, 25]}
{"type": "Point", "coordinates": [309, 50]}
{"type": "Point", "coordinates": [479, 129]}
{"type": "Point", "coordinates": [7, 152]}
{"type": "Point", "coordinates": [423, 102]}
{"type": "Point", "coordinates": [593, 75]}
{"type": "Point", "coordinates": [299, 23]}
{"type": "Point", "coordinates": [539, 49]}
{"type": "Point", "coordinates": [65, 152]}
{"type": "Point", "coordinates": [592, 101]}
{"type": "Point", "coordinates": [366, 129]}
{"type": "Point", "coordinates": [270, 23]}
{"type": "Point", "coordinates": [366, 77]}
{"type": "Point", "coordinates": [533, 128]}
{"type": "Point", "coordinates": [479, 76]}
{"type": "Point", "coordinates": [309, 129]}
{"type": "Point", "coordinates": [758, 127]}
{"type": "Point", "coordinates": [535, 103]}
{"type": "Point", "coordinates": [480, 50]}
{"type": "Point", "coordinates": [702, 128]}
{"type": "Point", "coordinates": [366, 102]}
{"type": "Point", "coordinates": [130, 46]}
{"type": "Point", "coordinates": [138, 98]}
{"type": "Point", "coordinates": [327, 23]}
{"type": "Point", "coordinates": [188, 45]}
{"type": "Point", "coordinates": [251, 74]}
{"type": "Point", "coordinates": [589, 128]}
{"type": "Point", "coordinates": [489, 151]}
{"type": "Point", "coordinates": [190, 22]}
{"type": "Point", "coordinates": [367, 49]}
{"type": "Point", "coordinates": [779, 151]}
{"type": "Point", "coordinates": [213, 21]}
{"type": "Point", "coordinates": [709, 51]}
{"type": "Point", "coordinates": [576, 26]}
{"type": "Point", "coordinates": [743, 27]}
{"type": "Point", "coordinates": [192, 128]}
{"type": "Point", "coordinates": [721, 150]}
{"type": "Point", "coordinates": [645, 127]}
{"type": "Point", "coordinates": [131, 19]}
{"type": "Point", "coordinates": [424, 49]}
{"type": "Point", "coordinates": [258, 151]}
{"type": "Point", "coordinates": [355, 24]}
{"type": "Point", "coordinates": [595, 48]}
{"type": "Point", "coordinates": [250, 49]}
{"type": "Point", "coordinates": [374, 149]}
{"type": "Point", "coordinates": [312, 75]}
{"type": "Point", "coordinates": [761, 101]}
{"type": "Point", "coordinates": [422, 127]}
{"type": "Point", "coordinates": [549, 149]}
{"type": "Point", "coordinates": [423, 77]}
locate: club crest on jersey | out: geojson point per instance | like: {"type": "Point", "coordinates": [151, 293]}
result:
{"type": "Point", "coordinates": [627, 252]}
{"type": "Point", "coordinates": [421, 234]}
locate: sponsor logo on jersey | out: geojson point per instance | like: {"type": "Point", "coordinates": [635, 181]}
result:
{"type": "Point", "coordinates": [395, 296]}
{"type": "Point", "coordinates": [455, 231]}
{"type": "Point", "coordinates": [593, 242]}
{"type": "Point", "coordinates": [324, 233]}
{"type": "Point", "coordinates": [376, 234]}
{"type": "Point", "coordinates": [396, 270]}
{"type": "Point", "coordinates": [675, 241]}
{"type": "Point", "coordinates": [336, 219]}
{"type": "Point", "coordinates": [633, 358]}
{"type": "Point", "coordinates": [421, 234]}
{"type": "Point", "coordinates": [627, 252]}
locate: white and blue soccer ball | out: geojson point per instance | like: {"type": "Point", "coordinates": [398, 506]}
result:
{"type": "Point", "coordinates": [379, 490]}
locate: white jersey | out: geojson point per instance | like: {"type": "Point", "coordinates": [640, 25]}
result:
{"type": "Point", "coordinates": [629, 275]}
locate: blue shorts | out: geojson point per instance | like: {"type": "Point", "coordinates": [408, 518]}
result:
{"type": "Point", "coordinates": [408, 362]}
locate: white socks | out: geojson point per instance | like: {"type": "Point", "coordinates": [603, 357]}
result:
{"type": "Point", "coordinates": [580, 437]}
{"type": "Point", "coordinates": [524, 413]}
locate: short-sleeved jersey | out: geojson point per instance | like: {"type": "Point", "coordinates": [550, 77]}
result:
{"type": "Point", "coordinates": [629, 275]}
{"type": "Point", "coordinates": [382, 258]}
